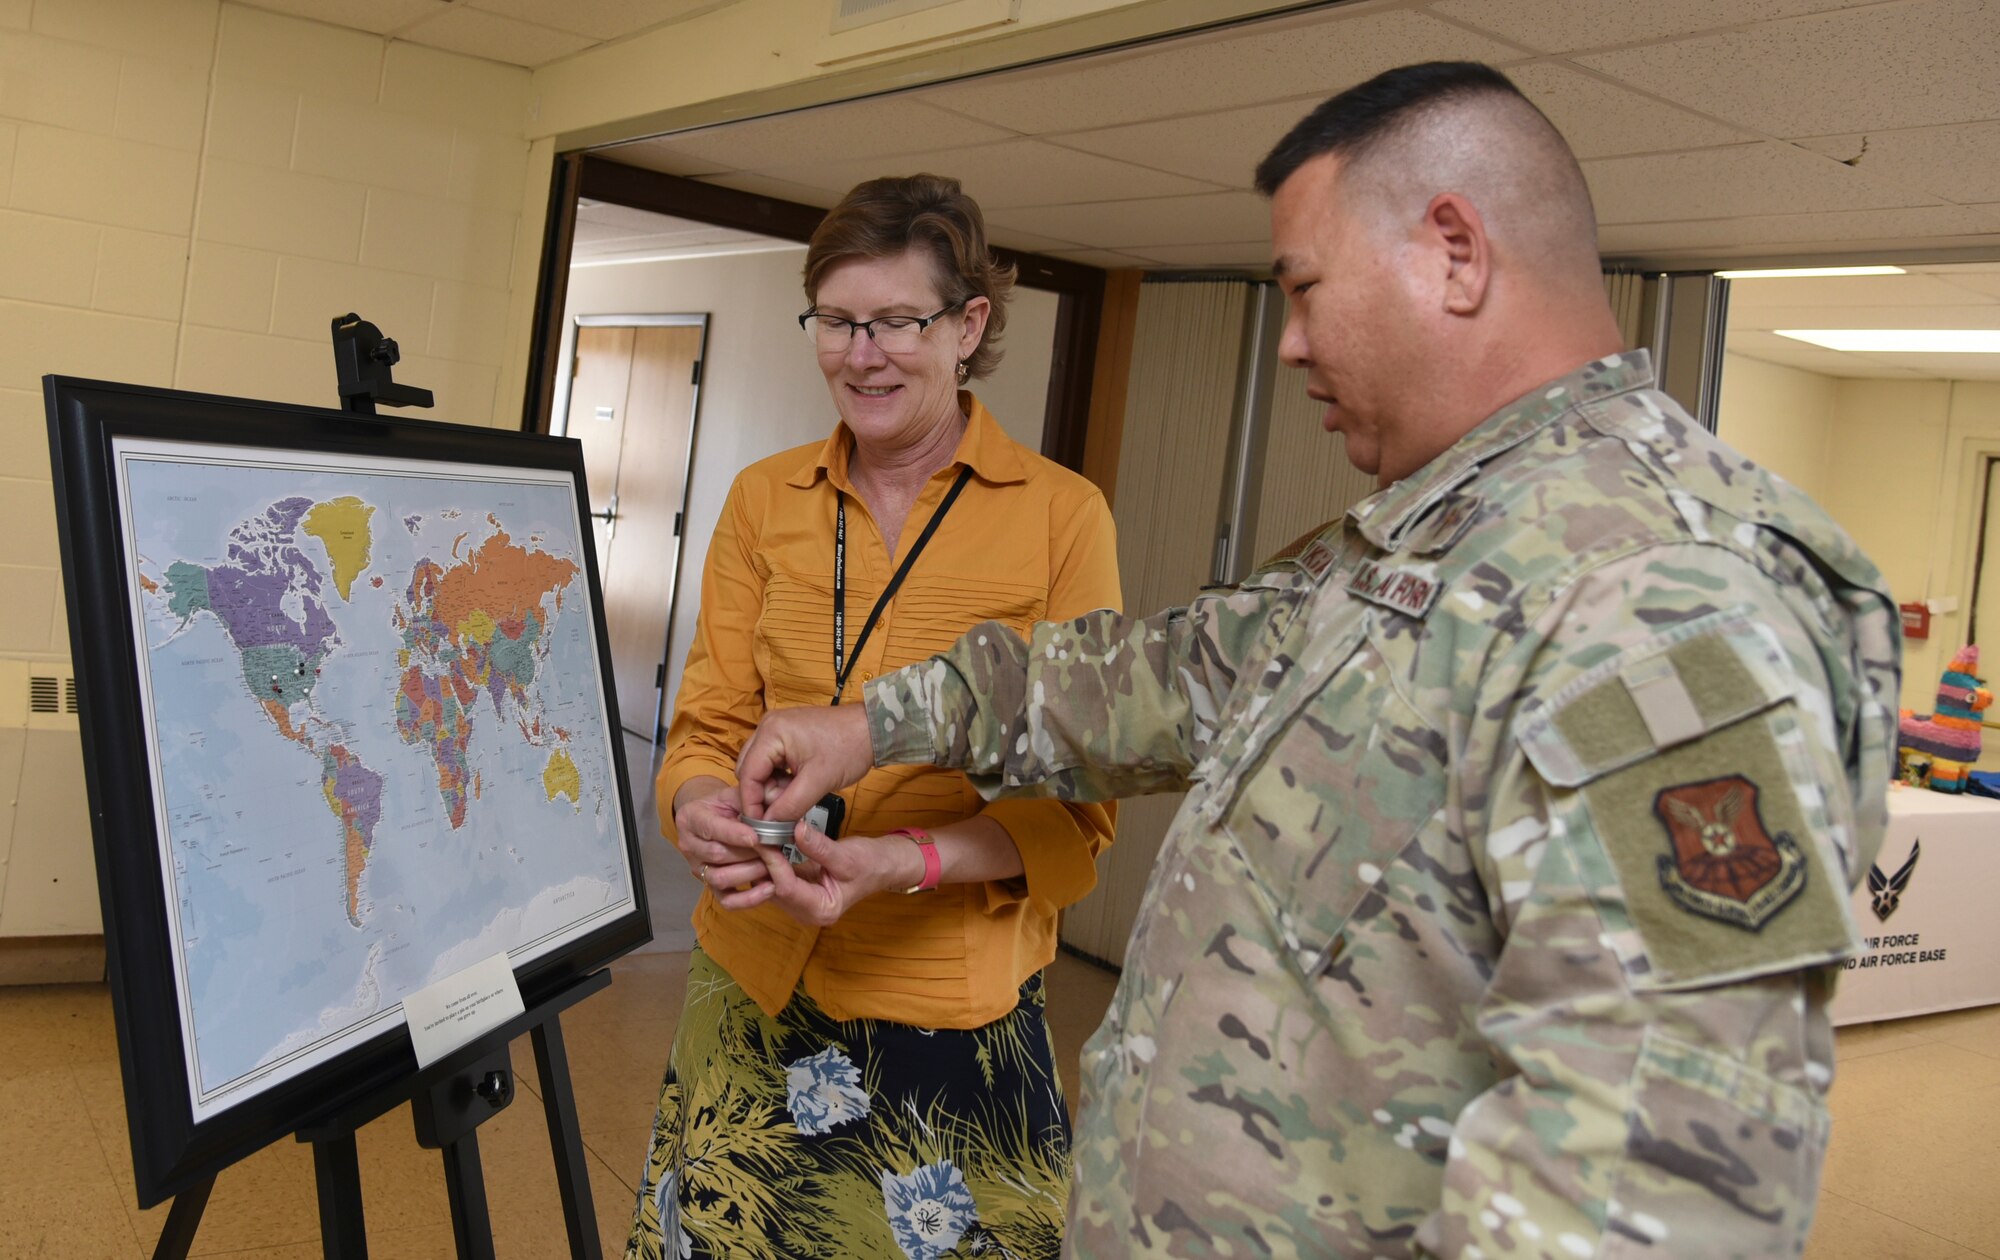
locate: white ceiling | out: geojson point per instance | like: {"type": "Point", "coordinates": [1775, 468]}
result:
{"type": "Point", "coordinates": [1965, 295]}
{"type": "Point", "coordinates": [519, 32]}
{"type": "Point", "coordinates": [1707, 128]}
{"type": "Point", "coordinates": [607, 235]}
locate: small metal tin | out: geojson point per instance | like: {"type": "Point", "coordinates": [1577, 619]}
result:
{"type": "Point", "coordinates": [777, 831]}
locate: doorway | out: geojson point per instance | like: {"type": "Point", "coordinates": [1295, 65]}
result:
{"type": "Point", "coordinates": [633, 400]}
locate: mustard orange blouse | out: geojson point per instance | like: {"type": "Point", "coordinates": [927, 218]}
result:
{"type": "Point", "coordinates": [1027, 541]}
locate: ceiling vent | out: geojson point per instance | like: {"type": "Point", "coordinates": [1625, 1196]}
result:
{"type": "Point", "coordinates": [866, 29]}
{"type": "Point", "coordinates": [848, 14]}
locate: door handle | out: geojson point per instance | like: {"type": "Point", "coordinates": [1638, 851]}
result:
{"type": "Point", "coordinates": [609, 515]}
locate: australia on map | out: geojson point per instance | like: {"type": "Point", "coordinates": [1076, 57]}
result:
{"type": "Point", "coordinates": [377, 714]}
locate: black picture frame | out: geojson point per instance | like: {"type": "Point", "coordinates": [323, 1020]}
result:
{"type": "Point", "coordinates": [172, 1150]}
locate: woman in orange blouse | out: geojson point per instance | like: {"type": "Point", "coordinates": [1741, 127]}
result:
{"type": "Point", "coordinates": [867, 1071]}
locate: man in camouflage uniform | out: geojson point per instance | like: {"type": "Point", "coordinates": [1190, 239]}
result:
{"type": "Point", "coordinates": [1523, 802]}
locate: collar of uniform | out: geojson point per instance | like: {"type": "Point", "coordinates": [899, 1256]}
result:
{"type": "Point", "coordinates": [984, 446]}
{"type": "Point", "coordinates": [1384, 517]}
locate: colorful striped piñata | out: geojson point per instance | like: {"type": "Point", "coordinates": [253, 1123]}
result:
{"type": "Point", "coordinates": [1950, 736]}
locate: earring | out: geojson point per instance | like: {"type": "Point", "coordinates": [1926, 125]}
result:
{"type": "Point", "coordinates": [962, 373]}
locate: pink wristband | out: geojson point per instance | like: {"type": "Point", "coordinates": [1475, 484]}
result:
{"type": "Point", "coordinates": [933, 869]}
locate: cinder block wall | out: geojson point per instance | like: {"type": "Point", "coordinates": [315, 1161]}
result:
{"type": "Point", "coordinates": [192, 189]}
{"type": "Point", "coordinates": [189, 191]}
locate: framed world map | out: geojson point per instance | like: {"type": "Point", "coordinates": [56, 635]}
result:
{"type": "Point", "coordinates": [348, 730]}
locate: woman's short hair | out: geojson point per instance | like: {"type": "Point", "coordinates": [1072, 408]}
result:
{"type": "Point", "coordinates": [885, 217]}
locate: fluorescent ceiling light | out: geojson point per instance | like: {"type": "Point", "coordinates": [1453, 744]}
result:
{"type": "Point", "coordinates": [1790, 273]}
{"type": "Point", "coordinates": [1900, 340]}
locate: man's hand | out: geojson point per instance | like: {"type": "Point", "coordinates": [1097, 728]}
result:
{"type": "Point", "coordinates": [839, 874]}
{"type": "Point", "coordinates": [798, 756]}
{"type": "Point", "coordinates": [719, 848]}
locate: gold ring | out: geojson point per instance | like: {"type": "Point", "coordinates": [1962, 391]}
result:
{"type": "Point", "coordinates": [704, 873]}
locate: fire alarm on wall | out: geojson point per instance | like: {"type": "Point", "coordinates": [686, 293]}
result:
{"type": "Point", "coordinates": [1916, 620]}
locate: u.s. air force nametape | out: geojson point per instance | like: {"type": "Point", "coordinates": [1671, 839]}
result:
{"type": "Point", "coordinates": [1412, 589]}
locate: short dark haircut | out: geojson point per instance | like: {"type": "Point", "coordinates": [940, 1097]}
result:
{"type": "Point", "coordinates": [882, 218]}
{"type": "Point", "coordinates": [1351, 123]}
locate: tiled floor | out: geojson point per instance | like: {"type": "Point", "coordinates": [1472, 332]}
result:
{"type": "Point", "coordinates": [66, 1169]}
{"type": "Point", "coordinates": [1914, 1172]}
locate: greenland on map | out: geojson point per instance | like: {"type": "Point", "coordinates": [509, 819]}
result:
{"type": "Point", "coordinates": [378, 736]}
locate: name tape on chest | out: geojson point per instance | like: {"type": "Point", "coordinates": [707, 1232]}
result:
{"type": "Point", "coordinates": [1317, 560]}
{"type": "Point", "coordinates": [1407, 590]}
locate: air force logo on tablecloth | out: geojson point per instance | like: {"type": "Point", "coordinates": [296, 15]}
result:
{"type": "Point", "coordinates": [1887, 893]}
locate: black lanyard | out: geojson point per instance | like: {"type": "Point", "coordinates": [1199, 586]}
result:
{"type": "Point", "coordinates": [842, 664]}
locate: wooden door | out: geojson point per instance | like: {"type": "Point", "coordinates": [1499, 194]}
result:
{"type": "Point", "coordinates": [652, 489]}
{"type": "Point", "coordinates": [597, 419]}
{"type": "Point", "coordinates": [633, 406]}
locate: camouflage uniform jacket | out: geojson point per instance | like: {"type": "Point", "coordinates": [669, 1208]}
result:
{"type": "Point", "coordinates": [1523, 806]}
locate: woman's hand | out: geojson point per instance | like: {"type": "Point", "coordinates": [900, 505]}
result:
{"type": "Point", "coordinates": [839, 874]}
{"type": "Point", "coordinates": [719, 847]}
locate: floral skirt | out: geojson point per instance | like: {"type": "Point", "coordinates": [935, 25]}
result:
{"type": "Point", "coordinates": [803, 1135]}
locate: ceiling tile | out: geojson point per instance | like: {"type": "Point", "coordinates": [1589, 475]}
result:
{"type": "Point", "coordinates": [377, 16]}
{"type": "Point", "coordinates": [495, 38]}
{"type": "Point", "coordinates": [1011, 173]}
{"type": "Point", "coordinates": [1229, 216]}
{"type": "Point", "coordinates": [1950, 367]}
{"type": "Point", "coordinates": [1856, 316]}
{"type": "Point", "coordinates": [1845, 367]}
{"type": "Point", "coordinates": [599, 19]}
{"type": "Point", "coordinates": [1110, 260]}
{"type": "Point", "coordinates": [1801, 233]}
{"type": "Point", "coordinates": [860, 129]}
{"type": "Point", "coordinates": [1255, 254]}
{"type": "Point", "coordinates": [595, 233]}
{"type": "Point", "coordinates": [1566, 25]}
{"type": "Point", "coordinates": [1960, 162]}
{"type": "Point", "coordinates": [1270, 61]}
{"type": "Point", "coordinates": [1983, 283]}
{"type": "Point", "coordinates": [1797, 354]}
{"type": "Point", "coordinates": [1741, 180]}
{"type": "Point", "coordinates": [783, 190]}
{"type": "Point", "coordinates": [629, 218]}
{"type": "Point", "coordinates": [1028, 241]}
{"type": "Point", "coordinates": [1601, 119]}
{"type": "Point", "coordinates": [1899, 65]}
{"type": "Point", "coordinates": [1834, 291]}
{"type": "Point", "coordinates": [1222, 148]}
{"type": "Point", "coordinates": [1957, 271]}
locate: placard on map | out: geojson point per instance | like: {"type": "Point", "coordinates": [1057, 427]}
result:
{"type": "Point", "coordinates": [349, 708]}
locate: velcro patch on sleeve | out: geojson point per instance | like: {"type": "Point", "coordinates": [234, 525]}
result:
{"type": "Point", "coordinates": [1694, 830]}
{"type": "Point", "coordinates": [1673, 688]}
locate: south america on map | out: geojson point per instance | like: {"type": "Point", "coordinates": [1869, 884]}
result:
{"type": "Point", "coordinates": [375, 706]}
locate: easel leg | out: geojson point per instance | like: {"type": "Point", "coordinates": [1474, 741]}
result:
{"type": "Point", "coordinates": [182, 1221]}
{"type": "Point", "coordinates": [343, 1232]}
{"type": "Point", "coordinates": [471, 1224]}
{"type": "Point", "coordinates": [566, 1140]}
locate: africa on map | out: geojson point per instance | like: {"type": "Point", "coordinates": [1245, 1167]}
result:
{"type": "Point", "coordinates": [381, 750]}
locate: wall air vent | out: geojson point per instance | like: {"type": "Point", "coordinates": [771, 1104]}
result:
{"type": "Point", "coordinates": [50, 688]}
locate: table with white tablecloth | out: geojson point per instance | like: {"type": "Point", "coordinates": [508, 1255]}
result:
{"type": "Point", "coordinates": [1930, 928]}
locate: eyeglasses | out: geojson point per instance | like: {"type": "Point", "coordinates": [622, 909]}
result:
{"type": "Point", "coordinates": [892, 334]}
